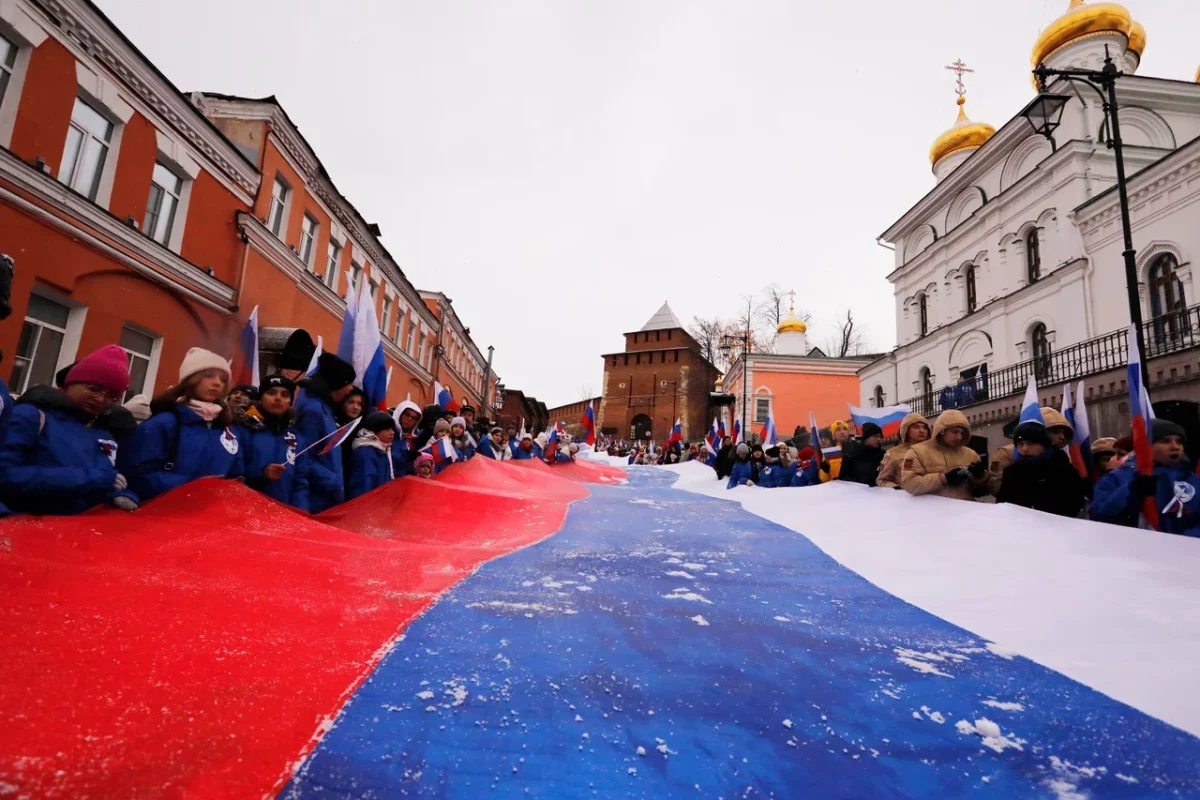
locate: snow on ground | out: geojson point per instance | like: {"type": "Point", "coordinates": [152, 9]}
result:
{"type": "Point", "coordinates": [1117, 609]}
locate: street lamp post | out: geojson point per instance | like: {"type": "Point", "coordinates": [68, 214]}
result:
{"type": "Point", "coordinates": [1044, 113]}
{"type": "Point", "coordinates": [727, 349]}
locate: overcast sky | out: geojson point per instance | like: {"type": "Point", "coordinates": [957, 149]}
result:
{"type": "Point", "coordinates": [559, 168]}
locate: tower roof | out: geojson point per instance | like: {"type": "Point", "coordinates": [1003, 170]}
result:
{"type": "Point", "coordinates": [663, 319]}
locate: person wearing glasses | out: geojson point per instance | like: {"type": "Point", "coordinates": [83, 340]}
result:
{"type": "Point", "coordinates": [60, 451]}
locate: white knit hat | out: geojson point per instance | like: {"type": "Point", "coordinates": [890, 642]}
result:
{"type": "Point", "coordinates": [198, 359]}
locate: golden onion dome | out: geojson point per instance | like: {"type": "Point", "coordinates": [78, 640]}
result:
{"type": "Point", "coordinates": [1137, 38]}
{"type": "Point", "coordinates": [720, 383]}
{"type": "Point", "coordinates": [1080, 21]}
{"type": "Point", "coordinates": [792, 325]}
{"type": "Point", "coordinates": [1197, 74]}
{"type": "Point", "coordinates": [964, 135]}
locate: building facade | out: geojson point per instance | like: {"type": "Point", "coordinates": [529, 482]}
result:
{"type": "Point", "coordinates": [791, 382]}
{"type": "Point", "coordinates": [459, 366]}
{"type": "Point", "coordinates": [140, 215]}
{"type": "Point", "coordinates": [1012, 264]}
{"type": "Point", "coordinates": [659, 377]}
{"type": "Point", "coordinates": [520, 410]}
{"type": "Point", "coordinates": [571, 415]}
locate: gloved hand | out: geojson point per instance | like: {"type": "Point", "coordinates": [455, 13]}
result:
{"type": "Point", "coordinates": [272, 472]}
{"type": "Point", "coordinates": [978, 469]}
{"type": "Point", "coordinates": [749, 483]}
{"type": "Point", "coordinates": [120, 484]}
{"type": "Point", "coordinates": [956, 477]}
{"type": "Point", "coordinates": [124, 503]}
{"type": "Point", "coordinates": [826, 468]}
{"type": "Point", "coordinates": [1145, 485]}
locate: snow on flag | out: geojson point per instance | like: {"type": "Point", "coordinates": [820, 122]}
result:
{"type": "Point", "coordinates": [248, 351]}
{"type": "Point", "coordinates": [888, 418]}
{"type": "Point", "coordinates": [1142, 413]}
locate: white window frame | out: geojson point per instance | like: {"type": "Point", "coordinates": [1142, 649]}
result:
{"type": "Point", "coordinates": [419, 356]}
{"type": "Point", "coordinates": [76, 315]}
{"type": "Point", "coordinates": [20, 29]}
{"type": "Point", "coordinates": [70, 174]}
{"type": "Point", "coordinates": [178, 197]}
{"type": "Point", "coordinates": [332, 262]}
{"type": "Point", "coordinates": [411, 340]}
{"type": "Point", "coordinates": [283, 204]}
{"type": "Point", "coordinates": [175, 157]}
{"type": "Point", "coordinates": [356, 275]}
{"type": "Point", "coordinates": [385, 312]}
{"type": "Point", "coordinates": [308, 240]}
{"type": "Point", "coordinates": [105, 98]}
{"type": "Point", "coordinates": [760, 399]}
{"type": "Point", "coordinates": [152, 360]}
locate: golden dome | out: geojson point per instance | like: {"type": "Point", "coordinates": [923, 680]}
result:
{"type": "Point", "coordinates": [965, 135]}
{"type": "Point", "coordinates": [720, 382]}
{"type": "Point", "coordinates": [792, 325]}
{"type": "Point", "coordinates": [1137, 38]}
{"type": "Point", "coordinates": [1083, 20]}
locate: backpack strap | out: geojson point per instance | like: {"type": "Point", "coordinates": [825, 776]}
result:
{"type": "Point", "coordinates": [173, 455]}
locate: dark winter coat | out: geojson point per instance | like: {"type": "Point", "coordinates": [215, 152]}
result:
{"type": "Point", "coordinates": [1050, 484]}
{"type": "Point", "coordinates": [741, 473]}
{"type": "Point", "coordinates": [725, 459]}
{"type": "Point", "coordinates": [1116, 502]}
{"type": "Point", "coordinates": [58, 460]}
{"type": "Point", "coordinates": [268, 441]}
{"type": "Point", "coordinates": [404, 453]}
{"type": "Point", "coordinates": [315, 420]}
{"type": "Point", "coordinates": [860, 464]}
{"type": "Point", "coordinates": [177, 446]}
{"type": "Point", "coordinates": [369, 467]}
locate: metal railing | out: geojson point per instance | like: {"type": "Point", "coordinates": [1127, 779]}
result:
{"type": "Point", "coordinates": [1169, 333]}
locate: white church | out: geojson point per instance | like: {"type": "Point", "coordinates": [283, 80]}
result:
{"type": "Point", "coordinates": [1012, 263]}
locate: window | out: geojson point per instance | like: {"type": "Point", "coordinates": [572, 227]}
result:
{"type": "Point", "coordinates": [926, 379]}
{"type": "Point", "coordinates": [276, 219]}
{"type": "Point", "coordinates": [385, 317]}
{"type": "Point", "coordinates": [8, 61]}
{"type": "Point", "coordinates": [88, 140]}
{"type": "Point", "coordinates": [1166, 297]}
{"type": "Point", "coordinates": [40, 345]}
{"type": "Point", "coordinates": [421, 350]}
{"type": "Point", "coordinates": [1033, 256]}
{"type": "Point", "coordinates": [408, 341]}
{"type": "Point", "coordinates": [140, 348]}
{"type": "Point", "coordinates": [878, 398]}
{"type": "Point", "coordinates": [762, 409]}
{"type": "Point", "coordinates": [1040, 345]}
{"type": "Point", "coordinates": [165, 190]}
{"type": "Point", "coordinates": [356, 271]}
{"type": "Point", "coordinates": [308, 239]}
{"type": "Point", "coordinates": [923, 312]}
{"type": "Point", "coordinates": [972, 296]}
{"type": "Point", "coordinates": [333, 258]}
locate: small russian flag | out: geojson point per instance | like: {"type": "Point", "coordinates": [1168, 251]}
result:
{"type": "Point", "coordinates": [248, 347]}
{"type": "Point", "coordinates": [340, 435]}
{"type": "Point", "coordinates": [442, 450]}
{"type": "Point", "coordinates": [676, 433]}
{"type": "Point", "coordinates": [768, 433]}
{"type": "Point", "coordinates": [444, 398]}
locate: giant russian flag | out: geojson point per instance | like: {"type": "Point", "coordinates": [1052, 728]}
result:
{"type": "Point", "coordinates": [888, 418]}
{"type": "Point", "coordinates": [248, 351]}
{"type": "Point", "coordinates": [367, 351]}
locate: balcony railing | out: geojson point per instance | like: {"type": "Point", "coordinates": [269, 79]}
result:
{"type": "Point", "coordinates": [1170, 333]}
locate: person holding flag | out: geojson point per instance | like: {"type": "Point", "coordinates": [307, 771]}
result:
{"type": "Point", "coordinates": [271, 441]}
{"type": "Point", "coordinates": [404, 449]}
{"type": "Point", "coordinates": [441, 447]}
{"type": "Point", "coordinates": [316, 421]}
{"type": "Point", "coordinates": [1041, 476]}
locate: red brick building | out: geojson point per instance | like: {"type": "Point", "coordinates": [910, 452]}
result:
{"type": "Point", "coordinates": [571, 415]}
{"type": "Point", "coordinates": [517, 409]}
{"type": "Point", "coordinates": [140, 215]}
{"type": "Point", "coordinates": [659, 377]}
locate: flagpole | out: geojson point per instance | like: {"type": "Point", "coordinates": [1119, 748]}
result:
{"type": "Point", "coordinates": [353, 425]}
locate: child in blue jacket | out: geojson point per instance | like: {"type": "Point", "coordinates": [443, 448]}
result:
{"type": "Point", "coordinates": [59, 454]}
{"type": "Point", "coordinates": [271, 443]}
{"type": "Point", "coordinates": [371, 458]}
{"type": "Point", "coordinates": [404, 448]}
{"type": "Point", "coordinates": [1174, 487]}
{"type": "Point", "coordinates": [523, 449]}
{"type": "Point", "coordinates": [315, 420]}
{"type": "Point", "coordinates": [190, 435]}
{"type": "Point", "coordinates": [743, 472]}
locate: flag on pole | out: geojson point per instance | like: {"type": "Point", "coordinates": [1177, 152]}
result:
{"type": "Point", "coordinates": [737, 432]}
{"type": "Point", "coordinates": [589, 425]}
{"type": "Point", "coordinates": [1080, 448]}
{"type": "Point", "coordinates": [442, 450]}
{"type": "Point", "coordinates": [312, 369]}
{"type": "Point", "coordinates": [720, 424]}
{"type": "Point", "coordinates": [1031, 409]}
{"type": "Point", "coordinates": [248, 346]}
{"type": "Point", "coordinates": [676, 435]}
{"type": "Point", "coordinates": [370, 368]}
{"type": "Point", "coordinates": [443, 397]}
{"type": "Point", "coordinates": [1142, 413]}
{"type": "Point", "coordinates": [331, 440]}
{"type": "Point", "coordinates": [887, 418]}
{"type": "Point", "coordinates": [345, 348]}
{"type": "Point", "coordinates": [768, 433]}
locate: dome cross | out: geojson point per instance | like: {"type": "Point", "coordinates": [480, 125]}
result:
{"type": "Point", "coordinates": [959, 68]}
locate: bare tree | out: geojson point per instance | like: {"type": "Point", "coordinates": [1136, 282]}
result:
{"type": "Point", "coordinates": [586, 391]}
{"type": "Point", "coordinates": [773, 307]}
{"type": "Point", "coordinates": [851, 341]}
{"type": "Point", "coordinates": [708, 333]}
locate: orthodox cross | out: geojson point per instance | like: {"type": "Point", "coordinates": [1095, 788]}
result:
{"type": "Point", "coordinates": [792, 303]}
{"type": "Point", "coordinates": [959, 68]}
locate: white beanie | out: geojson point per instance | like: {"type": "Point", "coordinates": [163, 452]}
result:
{"type": "Point", "coordinates": [198, 359]}
{"type": "Point", "coordinates": [458, 421]}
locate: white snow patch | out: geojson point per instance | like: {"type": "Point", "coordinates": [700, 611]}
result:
{"type": "Point", "coordinates": [425, 695]}
{"type": "Point", "coordinates": [1004, 706]}
{"type": "Point", "coordinates": [641, 501]}
{"type": "Point", "coordinates": [697, 567]}
{"type": "Point", "coordinates": [1126, 778]}
{"type": "Point", "coordinates": [990, 733]}
{"type": "Point", "coordinates": [1001, 651]}
{"type": "Point", "coordinates": [684, 594]}
{"type": "Point", "coordinates": [787, 723]}
{"type": "Point", "coordinates": [673, 560]}
{"type": "Point", "coordinates": [699, 620]}
{"type": "Point", "coordinates": [936, 716]}
{"type": "Point", "coordinates": [782, 619]}
{"type": "Point", "coordinates": [641, 751]}
{"type": "Point", "coordinates": [681, 574]}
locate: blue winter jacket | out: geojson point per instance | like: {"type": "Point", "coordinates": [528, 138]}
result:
{"type": "Point", "coordinates": [6, 412]}
{"type": "Point", "coordinates": [314, 421]}
{"type": "Point", "coordinates": [1115, 501]}
{"type": "Point", "coordinates": [404, 454]}
{"type": "Point", "coordinates": [267, 444]}
{"type": "Point", "coordinates": [177, 446]}
{"type": "Point", "coordinates": [740, 474]}
{"type": "Point", "coordinates": [369, 469]}
{"type": "Point", "coordinates": [522, 455]}
{"type": "Point", "coordinates": [775, 476]}
{"type": "Point", "coordinates": [809, 476]}
{"type": "Point", "coordinates": [487, 448]}
{"type": "Point", "coordinates": [57, 460]}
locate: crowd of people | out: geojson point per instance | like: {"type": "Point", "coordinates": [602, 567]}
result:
{"type": "Point", "coordinates": [73, 446]}
{"type": "Point", "coordinates": [1034, 471]}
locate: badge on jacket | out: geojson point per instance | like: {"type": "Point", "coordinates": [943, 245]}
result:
{"type": "Point", "coordinates": [109, 448]}
{"type": "Point", "coordinates": [229, 442]}
{"type": "Point", "coordinates": [289, 439]}
{"type": "Point", "coordinates": [1184, 492]}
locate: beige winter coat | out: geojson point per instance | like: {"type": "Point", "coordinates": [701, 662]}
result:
{"type": "Point", "coordinates": [893, 459]}
{"type": "Point", "coordinates": [999, 462]}
{"type": "Point", "coordinates": [926, 464]}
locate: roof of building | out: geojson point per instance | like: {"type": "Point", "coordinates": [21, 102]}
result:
{"type": "Point", "coordinates": [662, 320]}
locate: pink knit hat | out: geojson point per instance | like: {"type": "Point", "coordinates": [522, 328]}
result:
{"type": "Point", "coordinates": [421, 459]}
{"type": "Point", "coordinates": [107, 367]}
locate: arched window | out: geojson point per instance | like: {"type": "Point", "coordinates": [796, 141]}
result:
{"type": "Point", "coordinates": [923, 313]}
{"type": "Point", "coordinates": [878, 396]}
{"type": "Point", "coordinates": [1166, 297]}
{"type": "Point", "coordinates": [1040, 346]}
{"type": "Point", "coordinates": [972, 294]}
{"type": "Point", "coordinates": [926, 383]}
{"type": "Point", "coordinates": [1033, 256]}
